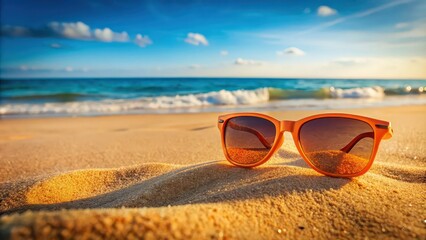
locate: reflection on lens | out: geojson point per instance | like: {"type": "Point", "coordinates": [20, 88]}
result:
{"type": "Point", "coordinates": [337, 145]}
{"type": "Point", "coordinates": [248, 139]}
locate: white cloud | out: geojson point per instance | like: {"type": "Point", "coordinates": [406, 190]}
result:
{"type": "Point", "coordinates": [408, 30]}
{"type": "Point", "coordinates": [55, 45]}
{"type": "Point", "coordinates": [142, 41]}
{"type": "Point", "coordinates": [400, 67]}
{"type": "Point", "coordinates": [224, 53]}
{"type": "Point", "coordinates": [196, 39]}
{"type": "Point", "coordinates": [107, 35]}
{"type": "Point", "coordinates": [81, 31]}
{"type": "Point", "coordinates": [78, 30]}
{"type": "Point", "coordinates": [121, 37]}
{"type": "Point", "coordinates": [401, 25]}
{"type": "Point", "coordinates": [194, 66]}
{"type": "Point", "coordinates": [356, 15]}
{"type": "Point", "coordinates": [378, 67]}
{"type": "Point", "coordinates": [23, 68]}
{"type": "Point", "coordinates": [104, 35]}
{"type": "Point", "coordinates": [73, 30]}
{"type": "Point", "coordinates": [45, 69]}
{"type": "Point", "coordinates": [349, 61]}
{"type": "Point", "coordinates": [325, 11]}
{"type": "Point", "coordinates": [240, 61]}
{"type": "Point", "coordinates": [291, 51]}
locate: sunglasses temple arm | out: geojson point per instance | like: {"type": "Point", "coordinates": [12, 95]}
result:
{"type": "Point", "coordinates": [389, 134]}
{"type": "Point", "coordinates": [354, 141]}
{"type": "Point", "coordinates": [252, 131]}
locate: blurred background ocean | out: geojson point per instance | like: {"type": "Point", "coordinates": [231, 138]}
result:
{"type": "Point", "coordinates": [104, 96]}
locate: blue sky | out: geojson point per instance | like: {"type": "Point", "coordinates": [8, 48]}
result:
{"type": "Point", "coordinates": [336, 39]}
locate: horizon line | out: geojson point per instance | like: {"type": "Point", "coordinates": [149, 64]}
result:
{"type": "Point", "coordinates": [207, 77]}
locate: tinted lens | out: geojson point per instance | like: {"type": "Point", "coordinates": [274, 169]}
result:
{"type": "Point", "coordinates": [248, 139]}
{"type": "Point", "coordinates": [337, 145]}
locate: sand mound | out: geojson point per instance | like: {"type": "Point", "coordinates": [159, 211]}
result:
{"type": "Point", "coordinates": [276, 200]}
{"type": "Point", "coordinates": [87, 183]}
{"type": "Point", "coordinates": [76, 185]}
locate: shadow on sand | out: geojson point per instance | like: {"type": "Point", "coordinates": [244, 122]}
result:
{"type": "Point", "coordinates": [208, 182]}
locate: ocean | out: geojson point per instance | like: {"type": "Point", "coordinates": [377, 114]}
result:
{"type": "Point", "coordinates": [105, 96]}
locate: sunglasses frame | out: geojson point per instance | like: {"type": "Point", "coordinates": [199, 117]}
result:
{"type": "Point", "coordinates": [382, 130]}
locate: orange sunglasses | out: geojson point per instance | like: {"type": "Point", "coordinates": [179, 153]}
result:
{"type": "Point", "coordinates": [334, 144]}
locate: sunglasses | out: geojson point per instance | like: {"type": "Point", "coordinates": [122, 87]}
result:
{"type": "Point", "coordinates": [334, 144]}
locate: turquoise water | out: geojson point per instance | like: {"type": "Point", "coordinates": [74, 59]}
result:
{"type": "Point", "coordinates": [42, 97]}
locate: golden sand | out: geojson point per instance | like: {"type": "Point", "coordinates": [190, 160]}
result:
{"type": "Point", "coordinates": [164, 176]}
{"type": "Point", "coordinates": [247, 156]}
{"type": "Point", "coordinates": [336, 161]}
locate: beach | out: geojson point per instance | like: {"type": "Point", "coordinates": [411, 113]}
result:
{"type": "Point", "coordinates": [177, 120]}
{"type": "Point", "coordinates": [165, 176]}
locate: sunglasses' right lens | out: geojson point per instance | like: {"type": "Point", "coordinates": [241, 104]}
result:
{"type": "Point", "coordinates": [248, 139]}
{"type": "Point", "coordinates": [337, 145]}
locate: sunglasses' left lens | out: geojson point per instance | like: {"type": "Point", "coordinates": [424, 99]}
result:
{"type": "Point", "coordinates": [248, 139]}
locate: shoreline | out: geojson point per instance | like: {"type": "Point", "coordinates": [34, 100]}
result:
{"type": "Point", "coordinates": [270, 106]}
{"type": "Point", "coordinates": [270, 111]}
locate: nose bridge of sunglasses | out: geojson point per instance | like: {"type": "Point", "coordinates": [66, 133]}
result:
{"type": "Point", "coordinates": [287, 126]}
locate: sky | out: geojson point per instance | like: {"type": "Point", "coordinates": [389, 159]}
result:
{"type": "Point", "coordinates": [244, 38]}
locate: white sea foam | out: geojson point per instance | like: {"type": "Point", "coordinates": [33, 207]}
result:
{"type": "Point", "coordinates": [223, 97]}
{"type": "Point", "coordinates": [239, 100]}
{"type": "Point", "coordinates": [364, 92]}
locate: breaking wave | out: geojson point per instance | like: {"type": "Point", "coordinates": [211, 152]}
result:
{"type": "Point", "coordinates": [215, 98]}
